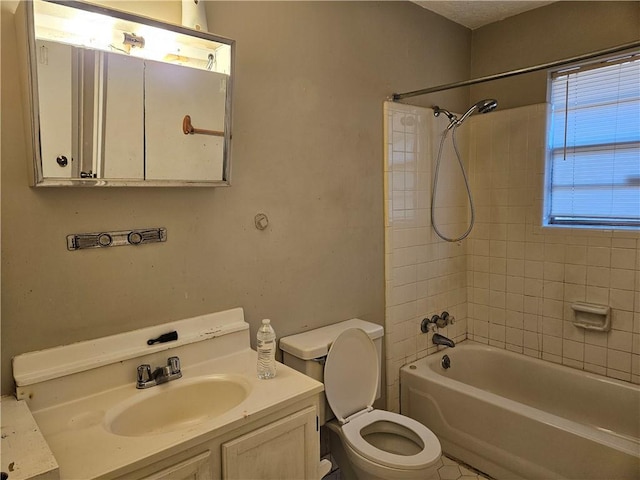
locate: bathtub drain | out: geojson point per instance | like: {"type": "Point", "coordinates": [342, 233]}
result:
{"type": "Point", "coordinates": [446, 362]}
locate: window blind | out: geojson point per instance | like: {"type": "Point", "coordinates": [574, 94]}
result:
{"type": "Point", "coordinates": [594, 142]}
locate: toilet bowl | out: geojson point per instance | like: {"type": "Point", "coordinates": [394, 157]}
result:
{"type": "Point", "coordinates": [389, 448]}
{"type": "Point", "coordinates": [371, 444]}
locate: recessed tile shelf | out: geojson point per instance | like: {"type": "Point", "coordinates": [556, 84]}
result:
{"type": "Point", "coordinates": [591, 316]}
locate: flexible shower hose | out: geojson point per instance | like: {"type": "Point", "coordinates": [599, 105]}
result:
{"type": "Point", "coordinates": [435, 187]}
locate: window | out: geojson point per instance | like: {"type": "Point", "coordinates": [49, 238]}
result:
{"type": "Point", "coordinates": [593, 169]}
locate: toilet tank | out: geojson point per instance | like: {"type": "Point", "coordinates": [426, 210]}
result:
{"type": "Point", "coordinates": [307, 351]}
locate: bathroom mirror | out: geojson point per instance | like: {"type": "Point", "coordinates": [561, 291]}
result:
{"type": "Point", "coordinates": [116, 99]}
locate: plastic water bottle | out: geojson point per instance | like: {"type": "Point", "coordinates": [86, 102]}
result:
{"type": "Point", "coordinates": [266, 350]}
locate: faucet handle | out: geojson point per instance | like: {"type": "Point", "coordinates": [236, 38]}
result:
{"type": "Point", "coordinates": [430, 324]}
{"type": "Point", "coordinates": [436, 321]}
{"type": "Point", "coordinates": [144, 373]}
{"type": "Point", "coordinates": [425, 325]}
{"type": "Point", "coordinates": [441, 321]}
{"type": "Point", "coordinates": [174, 365]}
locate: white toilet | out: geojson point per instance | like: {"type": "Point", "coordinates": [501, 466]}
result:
{"type": "Point", "coordinates": [368, 444]}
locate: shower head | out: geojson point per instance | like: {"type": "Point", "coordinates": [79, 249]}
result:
{"type": "Point", "coordinates": [487, 105]}
{"type": "Point", "coordinates": [483, 106]}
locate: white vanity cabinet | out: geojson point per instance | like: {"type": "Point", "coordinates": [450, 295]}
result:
{"type": "Point", "coordinates": [194, 468]}
{"type": "Point", "coordinates": [286, 449]}
{"type": "Point", "coordinates": [282, 449]}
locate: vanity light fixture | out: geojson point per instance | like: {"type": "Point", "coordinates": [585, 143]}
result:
{"type": "Point", "coordinates": [94, 28]}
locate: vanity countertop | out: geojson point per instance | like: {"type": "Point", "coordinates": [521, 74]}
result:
{"type": "Point", "coordinates": [83, 446]}
{"type": "Point", "coordinates": [25, 453]}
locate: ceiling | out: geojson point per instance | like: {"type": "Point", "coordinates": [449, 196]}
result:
{"type": "Point", "coordinates": [476, 14]}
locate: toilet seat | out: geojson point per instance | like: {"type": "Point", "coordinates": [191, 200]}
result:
{"type": "Point", "coordinates": [351, 374]}
{"type": "Point", "coordinates": [351, 381]}
{"type": "Point", "coordinates": [430, 452]}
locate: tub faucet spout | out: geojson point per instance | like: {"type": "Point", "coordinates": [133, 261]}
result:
{"type": "Point", "coordinates": [442, 340]}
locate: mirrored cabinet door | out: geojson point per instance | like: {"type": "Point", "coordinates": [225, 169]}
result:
{"type": "Point", "coordinates": [58, 139]}
{"type": "Point", "coordinates": [171, 94]}
{"type": "Point", "coordinates": [120, 152]}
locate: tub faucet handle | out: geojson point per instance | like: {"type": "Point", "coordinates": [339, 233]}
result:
{"type": "Point", "coordinates": [430, 324]}
{"type": "Point", "coordinates": [441, 321]}
{"type": "Point", "coordinates": [425, 325]}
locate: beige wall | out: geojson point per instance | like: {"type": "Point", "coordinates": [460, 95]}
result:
{"type": "Point", "coordinates": [561, 30]}
{"type": "Point", "coordinates": [307, 151]}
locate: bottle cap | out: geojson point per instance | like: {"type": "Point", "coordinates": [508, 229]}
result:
{"type": "Point", "coordinates": [266, 321]}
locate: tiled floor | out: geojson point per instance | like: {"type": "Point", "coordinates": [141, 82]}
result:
{"type": "Point", "coordinates": [449, 470]}
{"type": "Point", "coordinates": [452, 470]}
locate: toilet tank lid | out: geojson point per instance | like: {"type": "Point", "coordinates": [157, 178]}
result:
{"type": "Point", "coordinates": [316, 343]}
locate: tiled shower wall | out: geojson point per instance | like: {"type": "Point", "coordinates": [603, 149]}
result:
{"type": "Point", "coordinates": [424, 275]}
{"type": "Point", "coordinates": [522, 278]}
{"type": "Point", "coordinates": [511, 283]}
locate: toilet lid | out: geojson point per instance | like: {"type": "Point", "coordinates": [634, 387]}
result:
{"type": "Point", "coordinates": [351, 373]}
{"type": "Point", "coordinates": [428, 455]}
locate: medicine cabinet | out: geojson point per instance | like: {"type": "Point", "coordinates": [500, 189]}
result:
{"type": "Point", "coordinates": [116, 99]}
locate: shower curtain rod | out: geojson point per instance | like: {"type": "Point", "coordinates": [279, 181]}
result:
{"type": "Point", "coordinates": [587, 56]}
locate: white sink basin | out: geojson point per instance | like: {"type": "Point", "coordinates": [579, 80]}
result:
{"type": "Point", "coordinates": [175, 405]}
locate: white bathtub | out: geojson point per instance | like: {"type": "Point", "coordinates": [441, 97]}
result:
{"type": "Point", "coordinates": [513, 416]}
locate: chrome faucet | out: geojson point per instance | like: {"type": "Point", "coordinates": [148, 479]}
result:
{"type": "Point", "coordinates": [442, 340]}
{"type": "Point", "coordinates": [147, 378]}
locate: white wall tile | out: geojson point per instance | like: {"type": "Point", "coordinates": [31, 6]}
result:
{"type": "Point", "coordinates": [599, 256]}
{"type": "Point", "coordinates": [425, 275]}
{"type": "Point", "coordinates": [620, 361]}
{"type": "Point", "coordinates": [619, 340]}
{"type": "Point", "coordinates": [576, 255]}
{"type": "Point", "coordinates": [598, 276]}
{"type": "Point", "coordinates": [623, 279]}
{"type": "Point", "coordinates": [546, 269]}
{"type": "Point", "coordinates": [622, 299]}
{"type": "Point", "coordinates": [599, 295]}
{"type": "Point", "coordinates": [622, 320]}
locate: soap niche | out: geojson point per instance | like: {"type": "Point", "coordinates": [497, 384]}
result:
{"type": "Point", "coordinates": [590, 316]}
